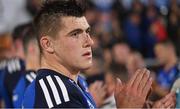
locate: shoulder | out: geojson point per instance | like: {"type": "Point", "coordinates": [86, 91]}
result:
{"type": "Point", "coordinates": [53, 89]}
{"type": "Point", "coordinates": [30, 76]}
{"type": "Point", "coordinates": [29, 96]}
{"type": "Point", "coordinates": [15, 65]}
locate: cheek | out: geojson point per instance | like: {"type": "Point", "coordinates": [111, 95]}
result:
{"type": "Point", "coordinates": [71, 48]}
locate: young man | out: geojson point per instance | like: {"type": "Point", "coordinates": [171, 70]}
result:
{"type": "Point", "coordinates": [65, 45]}
{"type": "Point", "coordinates": [169, 70]}
{"type": "Point", "coordinates": [32, 58]}
{"type": "Point", "coordinates": [15, 66]}
{"type": "Point", "coordinates": [5, 55]}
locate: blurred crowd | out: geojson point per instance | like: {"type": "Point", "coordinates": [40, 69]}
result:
{"type": "Point", "coordinates": [127, 34]}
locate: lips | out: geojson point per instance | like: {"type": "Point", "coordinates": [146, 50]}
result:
{"type": "Point", "coordinates": [87, 54]}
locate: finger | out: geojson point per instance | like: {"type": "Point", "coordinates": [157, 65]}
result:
{"type": "Point", "coordinates": [118, 87]}
{"type": "Point", "coordinates": [99, 85]}
{"type": "Point", "coordinates": [168, 103]}
{"type": "Point", "coordinates": [157, 104]}
{"type": "Point", "coordinates": [138, 79]}
{"type": "Point", "coordinates": [102, 94]}
{"type": "Point", "coordinates": [104, 87]}
{"type": "Point", "coordinates": [170, 100]}
{"type": "Point", "coordinates": [144, 80]}
{"type": "Point", "coordinates": [147, 87]}
{"type": "Point", "coordinates": [171, 106]}
{"type": "Point", "coordinates": [168, 96]}
{"type": "Point", "coordinates": [131, 81]}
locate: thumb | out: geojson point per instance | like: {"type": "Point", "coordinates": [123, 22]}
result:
{"type": "Point", "coordinates": [118, 86]}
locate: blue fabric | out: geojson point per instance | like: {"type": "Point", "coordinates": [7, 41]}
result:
{"type": "Point", "coordinates": [19, 93]}
{"type": "Point", "coordinates": [78, 94]}
{"type": "Point", "coordinates": [84, 87]}
{"type": "Point", "coordinates": [29, 96]}
{"type": "Point", "coordinates": [166, 79]}
{"type": "Point", "coordinates": [20, 88]}
{"type": "Point", "coordinates": [10, 77]}
{"type": "Point", "coordinates": [133, 34]}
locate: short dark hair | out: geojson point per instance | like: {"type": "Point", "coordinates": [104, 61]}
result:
{"type": "Point", "coordinates": [47, 21]}
{"type": "Point", "coordinates": [29, 36]}
{"type": "Point", "coordinates": [19, 31]}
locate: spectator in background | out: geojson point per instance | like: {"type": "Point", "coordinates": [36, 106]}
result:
{"type": "Point", "coordinates": [174, 29]}
{"type": "Point", "coordinates": [32, 58]}
{"type": "Point", "coordinates": [168, 101]}
{"type": "Point", "coordinates": [168, 73]}
{"type": "Point", "coordinates": [158, 29]}
{"type": "Point", "coordinates": [15, 66]}
{"type": "Point", "coordinates": [134, 62]}
{"type": "Point", "coordinates": [149, 40]}
{"type": "Point", "coordinates": [132, 30]}
{"type": "Point", "coordinates": [120, 54]}
{"type": "Point", "coordinates": [5, 54]}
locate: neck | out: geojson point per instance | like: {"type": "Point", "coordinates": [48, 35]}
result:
{"type": "Point", "coordinates": [32, 64]}
{"type": "Point", "coordinates": [72, 74]}
{"type": "Point", "coordinates": [171, 63]}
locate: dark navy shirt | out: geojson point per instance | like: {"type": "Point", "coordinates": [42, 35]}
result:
{"type": "Point", "coordinates": [51, 89]}
{"type": "Point", "coordinates": [3, 64]}
{"type": "Point", "coordinates": [9, 79]}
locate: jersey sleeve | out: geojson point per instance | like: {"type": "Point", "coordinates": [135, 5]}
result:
{"type": "Point", "coordinates": [52, 92]}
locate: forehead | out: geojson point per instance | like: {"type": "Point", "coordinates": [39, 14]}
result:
{"type": "Point", "coordinates": [72, 23]}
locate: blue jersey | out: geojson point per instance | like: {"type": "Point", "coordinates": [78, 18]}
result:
{"type": "Point", "coordinates": [10, 77]}
{"type": "Point", "coordinates": [166, 78]}
{"type": "Point", "coordinates": [54, 90]}
{"type": "Point", "coordinates": [18, 92]}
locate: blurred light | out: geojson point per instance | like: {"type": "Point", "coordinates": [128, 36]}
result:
{"type": "Point", "coordinates": [163, 10]}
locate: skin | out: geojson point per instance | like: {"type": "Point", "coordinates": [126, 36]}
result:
{"type": "Point", "coordinates": [32, 56]}
{"type": "Point", "coordinates": [166, 102]}
{"type": "Point", "coordinates": [98, 91]}
{"type": "Point", "coordinates": [133, 94]}
{"type": "Point", "coordinates": [64, 54]}
{"type": "Point", "coordinates": [166, 56]}
{"type": "Point", "coordinates": [161, 53]}
{"type": "Point", "coordinates": [66, 49]}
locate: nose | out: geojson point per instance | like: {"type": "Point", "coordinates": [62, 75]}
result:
{"type": "Point", "coordinates": [89, 42]}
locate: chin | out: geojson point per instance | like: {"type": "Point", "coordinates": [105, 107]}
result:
{"type": "Point", "coordinates": [86, 66]}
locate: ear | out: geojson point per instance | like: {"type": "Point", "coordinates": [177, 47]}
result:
{"type": "Point", "coordinates": [46, 44]}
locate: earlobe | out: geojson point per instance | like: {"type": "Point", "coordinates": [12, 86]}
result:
{"type": "Point", "coordinates": [46, 44]}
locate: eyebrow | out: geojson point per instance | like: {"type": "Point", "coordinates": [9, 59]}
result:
{"type": "Point", "coordinates": [79, 30]}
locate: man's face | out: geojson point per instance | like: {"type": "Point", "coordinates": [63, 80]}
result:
{"type": "Point", "coordinates": [161, 53]}
{"type": "Point", "coordinates": [121, 53]}
{"type": "Point", "coordinates": [72, 45]}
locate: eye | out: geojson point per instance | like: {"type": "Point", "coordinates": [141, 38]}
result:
{"type": "Point", "coordinates": [74, 34]}
{"type": "Point", "coordinates": [88, 31]}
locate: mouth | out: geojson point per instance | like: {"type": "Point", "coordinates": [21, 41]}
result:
{"type": "Point", "coordinates": [87, 54]}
